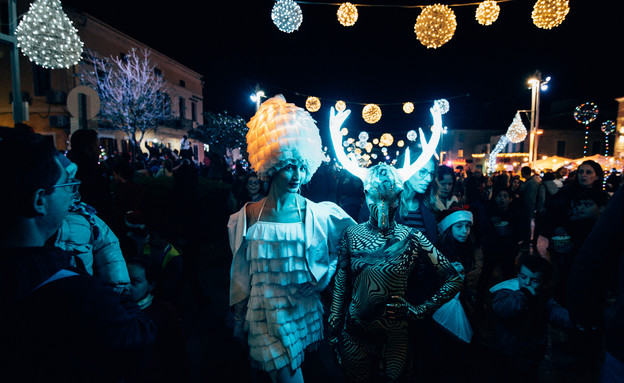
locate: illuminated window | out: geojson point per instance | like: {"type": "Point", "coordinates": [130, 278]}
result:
{"type": "Point", "coordinates": [460, 153]}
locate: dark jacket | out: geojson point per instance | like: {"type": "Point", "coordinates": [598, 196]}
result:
{"type": "Point", "coordinates": [598, 268]}
{"type": "Point", "coordinates": [72, 329]}
{"type": "Point", "coordinates": [522, 323]}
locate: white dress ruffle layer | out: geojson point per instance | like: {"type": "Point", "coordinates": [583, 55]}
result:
{"type": "Point", "coordinates": [280, 322]}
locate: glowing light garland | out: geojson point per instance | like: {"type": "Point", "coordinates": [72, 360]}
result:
{"type": "Point", "coordinates": [287, 16]}
{"type": "Point", "coordinates": [548, 14]}
{"type": "Point", "coordinates": [347, 14]}
{"type": "Point", "coordinates": [487, 12]}
{"type": "Point", "coordinates": [313, 104]}
{"type": "Point", "coordinates": [435, 25]}
{"type": "Point", "coordinates": [47, 37]}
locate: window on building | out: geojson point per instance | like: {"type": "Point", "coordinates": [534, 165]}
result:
{"type": "Point", "coordinates": [183, 83]}
{"type": "Point", "coordinates": [182, 106]}
{"type": "Point", "coordinates": [460, 153]}
{"type": "Point", "coordinates": [561, 148]}
{"type": "Point", "coordinates": [157, 72]}
{"type": "Point", "coordinates": [193, 111]}
{"type": "Point", "coordinates": [461, 137]}
{"type": "Point", "coordinates": [41, 80]}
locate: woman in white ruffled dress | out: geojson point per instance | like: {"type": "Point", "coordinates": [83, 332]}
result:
{"type": "Point", "coordinates": [284, 246]}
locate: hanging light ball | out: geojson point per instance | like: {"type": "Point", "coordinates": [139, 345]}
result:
{"type": "Point", "coordinates": [47, 37]}
{"type": "Point", "coordinates": [516, 132]}
{"type": "Point", "coordinates": [607, 127]}
{"type": "Point", "coordinates": [435, 25]}
{"type": "Point", "coordinates": [386, 139]}
{"type": "Point", "coordinates": [363, 136]}
{"type": "Point", "coordinates": [412, 135]}
{"type": "Point", "coordinates": [371, 113]}
{"type": "Point", "coordinates": [442, 105]}
{"type": "Point", "coordinates": [548, 14]}
{"type": "Point", "coordinates": [586, 113]}
{"type": "Point", "coordinates": [344, 131]}
{"type": "Point", "coordinates": [487, 12]}
{"type": "Point", "coordinates": [400, 143]}
{"type": "Point", "coordinates": [347, 14]}
{"type": "Point", "coordinates": [313, 104]}
{"type": "Point", "coordinates": [287, 16]}
{"type": "Point", "coordinates": [375, 141]}
{"type": "Point", "coordinates": [340, 106]}
{"type": "Point", "coordinates": [408, 107]}
{"type": "Point", "coordinates": [369, 147]}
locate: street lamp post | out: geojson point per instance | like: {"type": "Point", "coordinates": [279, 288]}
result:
{"type": "Point", "coordinates": [257, 96]}
{"type": "Point", "coordinates": [536, 84]}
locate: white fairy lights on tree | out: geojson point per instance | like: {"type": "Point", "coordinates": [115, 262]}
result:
{"type": "Point", "coordinates": [133, 97]}
{"type": "Point", "coordinates": [517, 132]}
{"type": "Point", "coordinates": [287, 16]}
{"type": "Point", "coordinates": [47, 37]}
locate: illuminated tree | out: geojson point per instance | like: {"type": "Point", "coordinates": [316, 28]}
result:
{"type": "Point", "coordinates": [222, 132]}
{"type": "Point", "coordinates": [132, 93]}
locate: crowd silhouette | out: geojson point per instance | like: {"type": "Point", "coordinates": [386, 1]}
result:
{"type": "Point", "coordinates": [117, 268]}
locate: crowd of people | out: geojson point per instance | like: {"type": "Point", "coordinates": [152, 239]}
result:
{"type": "Point", "coordinates": [440, 277]}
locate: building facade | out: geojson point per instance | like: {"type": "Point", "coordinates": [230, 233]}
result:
{"type": "Point", "coordinates": [45, 91]}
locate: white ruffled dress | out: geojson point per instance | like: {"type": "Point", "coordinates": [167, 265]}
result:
{"type": "Point", "coordinates": [280, 322]}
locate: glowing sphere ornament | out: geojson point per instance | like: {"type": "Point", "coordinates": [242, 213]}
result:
{"type": "Point", "coordinates": [47, 37]}
{"type": "Point", "coordinates": [586, 113]}
{"type": "Point", "coordinates": [344, 131]}
{"type": "Point", "coordinates": [435, 25]}
{"type": "Point", "coordinates": [487, 12]}
{"type": "Point", "coordinates": [412, 135]}
{"type": "Point", "coordinates": [347, 14]}
{"type": "Point", "coordinates": [371, 113]}
{"type": "Point", "coordinates": [363, 136]}
{"type": "Point", "coordinates": [442, 105]}
{"type": "Point", "coordinates": [340, 106]}
{"type": "Point", "coordinates": [408, 107]}
{"type": "Point", "coordinates": [400, 143]}
{"type": "Point", "coordinates": [386, 139]}
{"type": "Point", "coordinates": [607, 127]}
{"type": "Point", "coordinates": [548, 14]}
{"type": "Point", "coordinates": [287, 16]}
{"type": "Point", "coordinates": [313, 104]}
{"type": "Point", "coordinates": [516, 132]}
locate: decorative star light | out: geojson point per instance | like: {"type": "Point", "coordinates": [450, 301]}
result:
{"type": "Point", "coordinates": [435, 25]}
{"type": "Point", "coordinates": [487, 12]}
{"type": "Point", "coordinates": [408, 107]}
{"type": "Point", "coordinates": [371, 113]}
{"type": "Point", "coordinates": [47, 37]}
{"type": "Point", "coordinates": [548, 14]}
{"type": "Point", "coordinates": [287, 16]}
{"type": "Point", "coordinates": [313, 104]}
{"type": "Point", "coordinates": [347, 14]}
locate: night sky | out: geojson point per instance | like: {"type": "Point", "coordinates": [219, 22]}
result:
{"type": "Point", "coordinates": [482, 71]}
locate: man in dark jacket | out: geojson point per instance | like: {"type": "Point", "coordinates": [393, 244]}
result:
{"type": "Point", "coordinates": [597, 272]}
{"type": "Point", "coordinates": [57, 323]}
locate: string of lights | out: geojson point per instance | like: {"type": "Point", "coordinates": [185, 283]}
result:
{"type": "Point", "coordinates": [436, 23]}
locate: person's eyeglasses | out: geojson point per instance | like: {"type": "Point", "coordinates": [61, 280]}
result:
{"type": "Point", "coordinates": [424, 173]}
{"type": "Point", "coordinates": [75, 184]}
